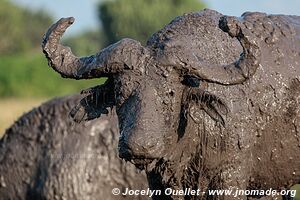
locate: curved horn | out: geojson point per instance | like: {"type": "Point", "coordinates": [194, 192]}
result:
{"type": "Point", "coordinates": [125, 54]}
{"type": "Point", "coordinates": [242, 69]}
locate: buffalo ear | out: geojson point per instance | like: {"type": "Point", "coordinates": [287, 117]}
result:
{"type": "Point", "coordinates": [201, 100]}
{"type": "Point", "coordinates": [195, 114]}
{"type": "Point", "coordinates": [94, 103]}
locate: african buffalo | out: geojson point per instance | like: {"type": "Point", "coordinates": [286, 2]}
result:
{"type": "Point", "coordinates": [212, 101]}
{"type": "Point", "coordinates": [45, 155]}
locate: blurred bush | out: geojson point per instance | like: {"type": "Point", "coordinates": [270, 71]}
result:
{"type": "Point", "coordinates": [86, 43]}
{"type": "Point", "coordinates": [140, 19]}
{"type": "Point", "coordinates": [21, 30]}
{"type": "Point", "coordinates": [23, 67]}
{"type": "Point", "coordinates": [28, 75]}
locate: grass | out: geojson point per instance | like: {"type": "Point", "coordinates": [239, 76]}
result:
{"type": "Point", "coordinates": [12, 109]}
{"type": "Point", "coordinates": [297, 187]}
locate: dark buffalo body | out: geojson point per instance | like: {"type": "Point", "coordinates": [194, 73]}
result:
{"type": "Point", "coordinates": [46, 155]}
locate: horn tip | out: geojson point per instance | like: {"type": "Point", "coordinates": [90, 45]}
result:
{"type": "Point", "coordinates": [67, 20]}
{"type": "Point", "coordinates": [71, 20]}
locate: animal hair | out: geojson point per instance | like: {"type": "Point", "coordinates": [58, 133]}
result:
{"type": "Point", "coordinates": [95, 102]}
{"type": "Point", "coordinates": [214, 106]}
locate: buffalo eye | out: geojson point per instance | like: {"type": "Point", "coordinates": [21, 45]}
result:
{"type": "Point", "coordinates": [191, 81]}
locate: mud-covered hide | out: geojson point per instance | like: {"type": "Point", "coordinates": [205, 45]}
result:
{"type": "Point", "coordinates": [45, 155]}
{"type": "Point", "coordinates": [211, 102]}
{"type": "Point", "coordinates": [259, 146]}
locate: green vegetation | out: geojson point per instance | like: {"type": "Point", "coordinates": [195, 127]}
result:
{"type": "Point", "coordinates": [28, 76]}
{"type": "Point", "coordinates": [23, 67]}
{"type": "Point", "coordinates": [297, 188]}
{"type": "Point", "coordinates": [21, 30]}
{"type": "Point", "coordinates": [140, 19]}
{"type": "Point", "coordinates": [86, 43]}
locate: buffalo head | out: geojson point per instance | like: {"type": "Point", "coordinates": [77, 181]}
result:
{"type": "Point", "coordinates": [157, 88]}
